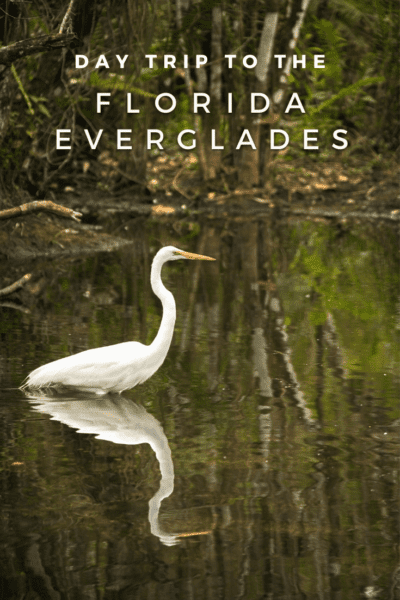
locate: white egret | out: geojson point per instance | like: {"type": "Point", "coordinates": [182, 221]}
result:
{"type": "Point", "coordinates": [121, 366]}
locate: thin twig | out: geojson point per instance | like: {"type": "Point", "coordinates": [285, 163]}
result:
{"type": "Point", "coordinates": [16, 285]}
{"type": "Point", "coordinates": [175, 181]}
{"type": "Point", "coordinates": [22, 89]}
{"type": "Point", "coordinates": [40, 205]}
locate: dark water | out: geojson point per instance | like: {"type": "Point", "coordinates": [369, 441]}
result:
{"type": "Point", "coordinates": [260, 462]}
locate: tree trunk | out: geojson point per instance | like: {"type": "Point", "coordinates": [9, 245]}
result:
{"type": "Point", "coordinates": [215, 156]}
{"type": "Point", "coordinates": [5, 99]}
{"type": "Point", "coordinates": [252, 168]}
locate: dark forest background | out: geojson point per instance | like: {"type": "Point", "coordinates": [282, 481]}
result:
{"type": "Point", "coordinates": [41, 91]}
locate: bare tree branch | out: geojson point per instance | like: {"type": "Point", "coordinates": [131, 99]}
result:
{"type": "Point", "coordinates": [15, 306]}
{"type": "Point", "coordinates": [41, 43]}
{"type": "Point", "coordinates": [40, 205]}
{"type": "Point", "coordinates": [16, 285]}
{"type": "Point", "coordinates": [67, 16]}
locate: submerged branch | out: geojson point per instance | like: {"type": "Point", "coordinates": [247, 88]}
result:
{"type": "Point", "coordinates": [16, 285]}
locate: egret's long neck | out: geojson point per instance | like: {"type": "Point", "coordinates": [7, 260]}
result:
{"type": "Point", "coordinates": [163, 338]}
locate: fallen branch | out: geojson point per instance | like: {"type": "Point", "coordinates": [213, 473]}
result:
{"type": "Point", "coordinates": [41, 43]}
{"type": "Point", "coordinates": [40, 205]}
{"type": "Point", "coordinates": [16, 285]}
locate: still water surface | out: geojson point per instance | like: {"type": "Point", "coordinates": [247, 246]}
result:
{"type": "Point", "coordinates": [260, 461]}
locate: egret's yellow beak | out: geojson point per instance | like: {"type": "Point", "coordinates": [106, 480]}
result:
{"type": "Point", "coordinates": [192, 256]}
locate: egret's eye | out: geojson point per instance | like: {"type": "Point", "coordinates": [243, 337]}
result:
{"type": "Point", "coordinates": [176, 254]}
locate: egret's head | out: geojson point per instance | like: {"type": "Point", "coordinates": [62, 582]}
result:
{"type": "Point", "coordinates": [171, 253]}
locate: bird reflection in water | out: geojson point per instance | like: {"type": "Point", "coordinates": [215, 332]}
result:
{"type": "Point", "coordinates": [116, 419]}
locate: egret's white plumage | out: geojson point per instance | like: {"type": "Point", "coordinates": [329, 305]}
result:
{"type": "Point", "coordinates": [121, 366]}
